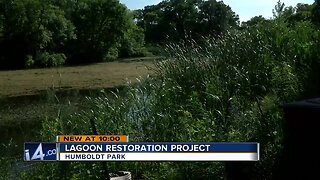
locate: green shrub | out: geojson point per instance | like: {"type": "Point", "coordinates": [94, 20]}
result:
{"type": "Point", "coordinates": [154, 49]}
{"type": "Point", "coordinates": [132, 44]}
{"type": "Point", "coordinates": [50, 60]}
{"type": "Point", "coordinates": [112, 54]}
{"type": "Point", "coordinates": [29, 61]}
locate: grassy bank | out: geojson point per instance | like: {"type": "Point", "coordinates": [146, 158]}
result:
{"type": "Point", "coordinates": [102, 75]}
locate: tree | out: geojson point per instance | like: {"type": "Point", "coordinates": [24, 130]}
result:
{"type": "Point", "coordinates": [48, 32]}
{"type": "Point", "coordinates": [30, 28]}
{"type": "Point", "coordinates": [278, 10]}
{"type": "Point", "coordinates": [106, 30]}
{"type": "Point", "coordinates": [185, 19]}
{"type": "Point", "coordinates": [132, 44]}
{"type": "Point", "coordinates": [215, 17]}
{"type": "Point", "coordinates": [100, 26]}
{"type": "Point", "coordinates": [302, 12]}
{"type": "Point", "coordinates": [316, 13]}
{"type": "Point", "coordinates": [255, 21]}
{"type": "Point", "coordinates": [153, 22]}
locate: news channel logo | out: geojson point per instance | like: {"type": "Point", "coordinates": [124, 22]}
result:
{"type": "Point", "coordinates": [40, 151]}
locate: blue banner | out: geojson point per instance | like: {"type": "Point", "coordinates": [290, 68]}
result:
{"type": "Point", "coordinates": [172, 147]}
{"type": "Point", "coordinates": [40, 151]}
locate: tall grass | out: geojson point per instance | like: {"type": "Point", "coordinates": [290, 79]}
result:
{"type": "Point", "coordinates": [227, 88]}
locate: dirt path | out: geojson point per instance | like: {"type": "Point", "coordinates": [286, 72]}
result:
{"type": "Point", "coordinates": [102, 75]}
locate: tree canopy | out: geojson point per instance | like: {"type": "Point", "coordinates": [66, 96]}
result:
{"type": "Point", "coordinates": [185, 19]}
{"type": "Point", "coordinates": [48, 33]}
{"type": "Point", "coordinates": [44, 33]}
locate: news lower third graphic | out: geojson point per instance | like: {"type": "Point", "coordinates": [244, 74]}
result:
{"type": "Point", "coordinates": [117, 148]}
{"type": "Point", "coordinates": [158, 151]}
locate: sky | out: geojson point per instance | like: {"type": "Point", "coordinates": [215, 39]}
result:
{"type": "Point", "coordinates": [246, 9]}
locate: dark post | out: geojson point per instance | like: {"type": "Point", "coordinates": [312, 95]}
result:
{"type": "Point", "coordinates": [300, 158]}
{"type": "Point", "coordinates": [103, 163]}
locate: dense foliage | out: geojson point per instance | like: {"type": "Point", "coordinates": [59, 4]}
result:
{"type": "Point", "coordinates": [47, 33]}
